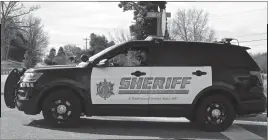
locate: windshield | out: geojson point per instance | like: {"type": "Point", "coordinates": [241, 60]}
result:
{"type": "Point", "coordinates": [92, 58]}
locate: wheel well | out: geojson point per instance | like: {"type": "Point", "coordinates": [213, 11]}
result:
{"type": "Point", "coordinates": [49, 91]}
{"type": "Point", "coordinates": [224, 93]}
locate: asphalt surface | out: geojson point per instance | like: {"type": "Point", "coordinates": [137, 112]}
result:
{"type": "Point", "coordinates": [17, 125]}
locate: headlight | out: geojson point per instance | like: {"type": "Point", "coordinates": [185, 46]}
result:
{"type": "Point", "coordinates": [31, 77]}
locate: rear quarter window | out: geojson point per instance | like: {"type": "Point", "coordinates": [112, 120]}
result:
{"type": "Point", "coordinates": [238, 57]}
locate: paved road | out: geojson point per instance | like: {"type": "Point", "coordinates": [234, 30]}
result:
{"type": "Point", "coordinates": [17, 125]}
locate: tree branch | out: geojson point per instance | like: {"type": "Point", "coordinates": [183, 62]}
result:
{"type": "Point", "coordinates": [191, 25]}
{"type": "Point", "coordinates": [17, 9]}
{"type": "Point", "coordinates": [9, 7]}
{"type": "Point", "coordinates": [2, 9]}
{"type": "Point", "coordinates": [18, 29]}
{"type": "Point", "coordinates": [25, 13]}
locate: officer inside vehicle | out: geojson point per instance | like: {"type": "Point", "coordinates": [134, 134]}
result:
{"type": "Point", "coordinates": [143, 57]}
{"type": "Point", "coordinates": [133, 58]}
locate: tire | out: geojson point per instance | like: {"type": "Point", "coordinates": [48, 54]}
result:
{"type": "Point", "coordinates": [61, 108]}
{"type": "Point", "coordinates": [207, 114]}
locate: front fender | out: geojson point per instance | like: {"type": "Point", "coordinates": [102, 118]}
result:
{"type": "Point", "coordinates": [227, 88]}
{"type": "Point", "coordinates": [63, 82]}
{"type": "Point", "coordinates": [81, 90]}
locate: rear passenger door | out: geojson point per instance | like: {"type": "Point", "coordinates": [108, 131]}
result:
{"type": "Point", "coordinates": [177, 76]}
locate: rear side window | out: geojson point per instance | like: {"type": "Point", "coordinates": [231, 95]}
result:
{"type": "Point", "coordinates": [184, 55]}
{"type": "Point", "coordinates": [169, 56]}
{"type": "Point", "coordinates": [237, 58]}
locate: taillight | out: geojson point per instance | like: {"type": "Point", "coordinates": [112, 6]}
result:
{"type": "Point", "coordinates": [257, 75]}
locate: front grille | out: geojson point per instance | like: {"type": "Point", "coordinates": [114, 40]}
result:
{"type": "Point", "coordinates": [23, 84]}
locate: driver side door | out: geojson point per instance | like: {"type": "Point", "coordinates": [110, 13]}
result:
{"type": "Point", "coordinates": [116, 88]}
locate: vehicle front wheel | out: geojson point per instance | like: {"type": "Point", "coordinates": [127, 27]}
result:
{"type": "Point", "coordinates": [61, 108]}
{"type": "Point", "coordinates": [215, 114]}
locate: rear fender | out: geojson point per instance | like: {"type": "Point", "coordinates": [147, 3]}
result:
{"type": "Point", "coordinates": [218, 86]}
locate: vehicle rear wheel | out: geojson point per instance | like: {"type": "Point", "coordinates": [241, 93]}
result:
{"type": "Point", "coordinates": [215, 113]}
{"type": "Point", "coordinates": [61, 108]}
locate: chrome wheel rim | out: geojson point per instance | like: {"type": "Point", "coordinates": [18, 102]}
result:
{"type": "Point", "coordinates": [216, 113]}
{"type": "Point", "coordinates": [61, 109]}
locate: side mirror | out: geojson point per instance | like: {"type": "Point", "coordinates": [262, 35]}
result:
{"type": "Point", "coordinates": [84, 58]}
{"type": "Point", "coordinates": [71, 58]}
{"type": "Point", "coordinates": [103, 62]}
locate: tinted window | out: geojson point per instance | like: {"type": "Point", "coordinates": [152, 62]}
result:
{"type": "Point", "coordinates": [181, 55]}
{"type": "Point", "coordinates": [205, 56]}
{"type": "Point", "coordinates": [169, 56]}
{"type": "Point", "coordinates": [201, 55]}
{"type": "Point", "coordinates": [237, 57]}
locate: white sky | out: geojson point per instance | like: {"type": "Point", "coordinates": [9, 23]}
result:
{"type": "Point", "coordinates": [71, 22]}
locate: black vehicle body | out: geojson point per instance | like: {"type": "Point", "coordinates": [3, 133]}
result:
{"type": "Point", "coordinates": [229, 79]}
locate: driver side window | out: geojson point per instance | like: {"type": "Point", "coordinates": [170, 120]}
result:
{"type": "Point", "coordinates": [118, 61]}
{"type": "Point", "coordinates": [132, 58]}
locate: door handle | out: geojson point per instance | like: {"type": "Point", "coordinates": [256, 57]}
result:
{"type": "Point", "coordinates": [199, 73]}
{"type": "Point", "coordinates": [138, 73]}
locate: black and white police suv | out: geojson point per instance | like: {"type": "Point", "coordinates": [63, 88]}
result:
{"type": "Point", "coordinates": [208, 83]}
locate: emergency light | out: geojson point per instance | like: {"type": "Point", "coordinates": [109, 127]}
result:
{"type": "Point", "coordinates": [156, 39]}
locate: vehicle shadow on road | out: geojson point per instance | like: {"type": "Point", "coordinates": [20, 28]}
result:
{"type": "Point", "coordinates": [132, 128]}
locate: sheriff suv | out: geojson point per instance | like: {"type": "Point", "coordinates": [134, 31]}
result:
{"type": "Point", "coordinates": [208, 83]}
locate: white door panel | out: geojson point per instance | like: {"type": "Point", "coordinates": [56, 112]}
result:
{"type": "Point", "coordinates": [177, 85]}
{"type": "Point", "coordinates": [119, 82]}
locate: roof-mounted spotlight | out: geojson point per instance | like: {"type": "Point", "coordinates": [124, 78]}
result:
{"type": "Point", "coordinates": [228, 40]}
{"type": "Point", "coordinates": [156, 39]}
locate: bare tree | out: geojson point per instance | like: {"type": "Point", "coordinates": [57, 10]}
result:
{"type": "Point", "coordinates": [12, 13]}
{"type": "Point", "coordinates": [120, 35]}
{"type": "Point", "coordinates": [72, 50]}
{"type": "Point", "coordinates": [191, 25]}
{"type": "Point", "coordinates": [37, 40]}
